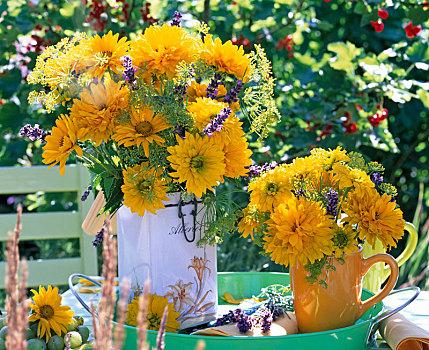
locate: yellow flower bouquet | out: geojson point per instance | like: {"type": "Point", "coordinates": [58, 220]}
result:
{"type": "Point", "coordinates": [159, 113]}
{"type": "Point", "coordinates": [319, 208]}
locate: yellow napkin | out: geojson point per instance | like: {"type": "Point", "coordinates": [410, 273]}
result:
{"type": "Point", "coordinates": [282, 326]}
{"type": "Point", "coordinates": [94, 222]}
{"type": "Point", "coordinates": [402, 334]}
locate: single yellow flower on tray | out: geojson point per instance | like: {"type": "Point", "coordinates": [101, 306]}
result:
{"type": "Point", "coordinates": [47, 309]}
{"type": "Point", "coordinates": [155, 310]}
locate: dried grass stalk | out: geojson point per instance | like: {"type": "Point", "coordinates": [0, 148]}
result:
{"type": "Point", "coordinates": [142, 344]}
{"type": "Point", "coordinates": [16, 304]}
{"type": "Point", "coordinates": [160, 344]}
{"type": "Point", "coordinates": [119, 335]}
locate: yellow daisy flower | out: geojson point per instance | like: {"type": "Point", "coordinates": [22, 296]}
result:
{"type": "Point", "coordinates": [106, 52]}
{"type": "Point", "coordinates": [376, 217]}
{"type": "Point", "coordinates": [250, 222]}
{"type": "Point", "coordinates": [155, 310]}
{"type": "Point", "coordinates": [198, 161]}
{"type": "Point", "coordinates": [298, 230]}
{"type": "Point", "coordinates": [226, 57]}
{"type": "Point", "coordinates": [48, 311]}
{"type": "Point", "coordinates": [200, 90]}
{"type": "Point", "coordinates": [237, 157]}
{"type": "Point", "coordinates": [347, 177]}
{"type": "Point", "coordinates": [98, 108]}
{"type": "Point", "coordinates": [270, 189]}
{"type": "Point", "coordinates": [140, 129]}
{"type": "Point", "coordinates": [161, 48]}
{"type": "Point", "coordinates": [344, 240]}
{"type": "Point", "coordinates": [329, 157]}
{"type": "Point", "coordinates": [62, 142]}
{"type": "Point", "coordinates": [144, 189]}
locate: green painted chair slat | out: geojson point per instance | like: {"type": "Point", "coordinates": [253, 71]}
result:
{"type": "Point", "coordinates": [49, 225]}
{"type": "Point", "coordinates": [51, 271]}
{"type": "Point", "coordinates": [44, 225]}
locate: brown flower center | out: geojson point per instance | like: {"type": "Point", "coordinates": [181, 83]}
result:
{"type": "Point", "coordinates": [272, 188]}
{"type": "Point", "coordinates": [341, 240]}
{"type": "Point", "coordinates": [144, 128]}
{"type": "Point", "coordinates": [61, 142]}
{"type": "Point", "coordinates": [144, 186]}
{"type": "Point", "coordinates": [154, 321]}
{"type": "Point", "coordinates": [46, 311]}
{"type": "Point", "coordinates": [197, 162]}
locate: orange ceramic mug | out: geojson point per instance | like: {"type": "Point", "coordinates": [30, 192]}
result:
{"type": "Point", "coordinates": [319, 308]}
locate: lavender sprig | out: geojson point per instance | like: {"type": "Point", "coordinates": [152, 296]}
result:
{"type": "Point", "coordinates": [232, 95]}
{"type": "Point", "coordinates": [34, 132]}
{"type": "Point", "coordinates": [256, 170]}
{"type": "Point", "coordinates": [376, 178]}
{"type": "Point", "coordinates": [213, 86]}
{"type": "Point", "coordinates": [217, 123]}
{"type": "Point", "coordinates": [99, 238]}
{"type": "Point", "coordinates": [332, 206]}
{"type": "Point", "coordinates": [176, 19]}
{"type": "Point", "coordinates": [129, 72]}
{"type": "Point", "coordinates": [244, 323]}
{"type": "Point", "coordinates": [86, 194]}
{"type": "Point", "coordinates": [230, 317]}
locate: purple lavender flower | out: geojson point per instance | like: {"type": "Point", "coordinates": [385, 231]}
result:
{"type": "Point", "coordinates": [217, 123]}
{"type": "Point", "coordinates": [99, 238]}
{"type": "Point", "coordinates": [176, 19]}
{"type": "Point", "coordinates": [214, 84]}
{"type": "Point", "coordinates": [86, 194]}
{"type": "Point", "coordinates": [232, 95]}
{"type": "Point", "coordinates": [230, 317]}
{"type": "Point", "coordinates": [376, 178]}
{"type": "Point", "coordinates": [180, 90]}
{"type": "Point", "coordinates": [129, 71]}
{"type": "Point", "coordinates": [331, 207]}
{"type": "Point", "coordinates": [300, 192]}
{"type": "Point", "coordinates": [256, 170]}
{"type": "Point", "coordinates": [244, 323]}
{"type": "Point", "coordinates": [180, 130]}
{"type": "Point", "coordinates": [34, 133]}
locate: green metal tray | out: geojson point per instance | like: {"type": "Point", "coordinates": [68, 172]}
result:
{"type": "Point", "coordinates": [245, 285]}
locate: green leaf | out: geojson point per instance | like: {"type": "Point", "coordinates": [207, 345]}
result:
{"type": "Point", "coordinates": [346, 52]}
{"type": "Point", "coordinates": [11, 117]}
{"type": "Point", "coordinates": [419, 52]}
{"type": "Point", "coordinates": [424, 97]}
{"type": "Point", "coordinates": [368, 17]}
{"type": "Point", "coordinates": [362, 8]}
{"type": "Point", "coordinates": [417, 15]}
{"type": "Point", "coordinates": [10, 82]}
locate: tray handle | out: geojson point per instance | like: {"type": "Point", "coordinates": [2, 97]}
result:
{"type": "Point", "coordinates": [76, 294]}
{"type": "Point", "coordinates": [383, 316]}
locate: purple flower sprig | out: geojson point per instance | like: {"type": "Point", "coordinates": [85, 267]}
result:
{"type": "Point", "coordinates": [213, 86]}
{"type": "Point", "coordinates": [244, 323]}
{"type": "Point", "coordinates": [180, 130]}
{"type": "Point", "coordinates": [232, 95]}
{"type": "Point", "coordinates": [34, 132]}
{"type": "Point", "coordinates": [99, 238]}
{"type": "Point", "coordinates": [230, 317]}
{"type": "Point", "coordinates": [332, 206]}
{"type": "Point", "coordinates": [129, 71]}
{"type": "Point", "coordinates": [376, 178]}
{"type": "Point", "coordinates": [256, 170]}
{"type": "Point", "coordinates": [86, 194]}
{"type": "Point", "coordinates": [217, 123]}
{"type": "Point", "coordinates": [176, 19]}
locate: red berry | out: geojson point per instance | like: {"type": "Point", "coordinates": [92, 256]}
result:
{"type": "Point", "coordinates": [378, 26]}
{"type": "Point", "coordinates": [378, 106]}
{"type": "Point", "coordinates": [383, 14]}
{"type": "Point", "coordinates": [2, 102]}
{"type": "Point", "coordinates": [347, 114]}
{"type": "Point", "coordinates": [289, 39]}
{"type": "Point", "coordinates": [277, 133]}
{"type": "Point", "coordinates": [351, 128]}
{"type": "Point", "coordinates": [289, 47]}
{"type": "Point", "coordinates": [290, 55]}
{"type": "Point", "coordinates": [412, 31]}
{"type": "Point", "coordinates": [58, 27]}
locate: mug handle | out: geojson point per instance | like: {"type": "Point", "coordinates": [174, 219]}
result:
{"type": "Point", "coordinates": [410, 247]}
{"type": "Point", "coordinates": [394, 268]}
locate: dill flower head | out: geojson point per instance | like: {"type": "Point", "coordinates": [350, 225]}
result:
{"type": "Point", "coordinates": [48, 311]}
{"type": "Point", "coordinates": [62, 142]}
{"type": "Point", "coordinates": [198, 161]}
{"type": "Point", "coordinates": [105, 52]}
{"type": "Point", "coordinates": [328, 158]}
{"type": "Point", "coordinates": [344, 240]}
{"type": "Point", "coordinates": [161, 48]}
{"type": "Point", "coordinates": [155, 310]}
{"type": "Point", "coordinates": [270, 189]}
{"type": "Point", "coordinates": [298, 230]}
{"type": "Point", "coordinates": [376, 216]}
{"type": "Point", "coordinates": [140, 129]}
{"type": "Point", "coordinates": [144, 189]}
{"type": "Point", "coordinates": [226, 57]}
{"type": "Point", "coordinates": [250, 222]}
{"type": "Point", "coordinates": [98, 108]}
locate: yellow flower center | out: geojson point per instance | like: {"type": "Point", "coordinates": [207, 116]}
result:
{"type": "Point", "coordinates": [144, 128]}
{"type": "Point", "coordinates": [46, 311]}
{"type": "Point", "coordinates": [197, 162]}
{"type": "Point", "coordinates": [154, 321]}
{"type": "Point", "coordinates": [272, 188]}
{"type": "Point", "coordinates": [144, 187]}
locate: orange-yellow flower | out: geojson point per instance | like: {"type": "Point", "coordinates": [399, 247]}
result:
{"type": "Point", "coordinates": [98, 109]}
{"type": "Point", "coordinates": [198, 161]}
{"type": "Point", "coordinates": [141, 129]}
{"type": "Point", "coordinates": [62, 142]}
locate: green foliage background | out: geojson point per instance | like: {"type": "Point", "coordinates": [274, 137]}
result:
{"type": "Point", "coordinates": [333, 61]}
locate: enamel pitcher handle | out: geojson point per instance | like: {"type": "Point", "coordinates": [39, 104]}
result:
{"type": "Point", "coordinates": [409, 248]}
{"type": "Point", "coordinates": [394, 268]}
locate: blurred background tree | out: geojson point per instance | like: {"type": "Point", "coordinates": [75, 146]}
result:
{"type": "Point", "coordinates": [349, 73]}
